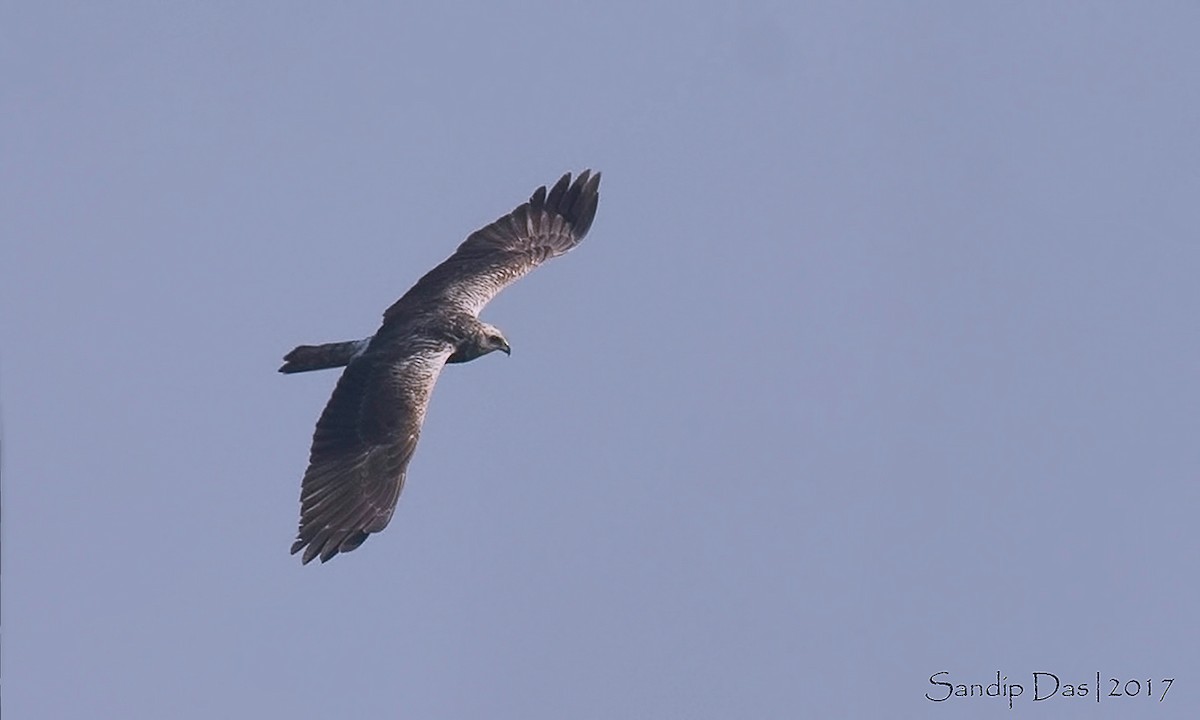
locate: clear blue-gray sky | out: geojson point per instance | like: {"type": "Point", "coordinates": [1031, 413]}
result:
{"type": "Point", "coordinates": [880, 359]}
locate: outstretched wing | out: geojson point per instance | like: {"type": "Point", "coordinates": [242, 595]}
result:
{"type": "Point", "coordinates": [494, 257]}
{"type": "Point", "coordinates": [362, 446]}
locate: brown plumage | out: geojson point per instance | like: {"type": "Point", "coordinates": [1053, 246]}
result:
{"type": "Point", "coordinates": [367, 433]}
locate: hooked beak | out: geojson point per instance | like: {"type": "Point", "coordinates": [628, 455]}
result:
{"type": "Point", "coordinates": [505, 348]}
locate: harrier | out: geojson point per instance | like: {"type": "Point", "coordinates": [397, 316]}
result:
{"type": "Point", "coordinates": [367, 433]}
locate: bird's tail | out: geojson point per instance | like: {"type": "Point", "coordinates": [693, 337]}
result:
{"type": "Point", "coordinates": [320, 357]}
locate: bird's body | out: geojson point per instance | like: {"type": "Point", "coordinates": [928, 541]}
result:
{"type": "Point", "coordinates": [367, 433]}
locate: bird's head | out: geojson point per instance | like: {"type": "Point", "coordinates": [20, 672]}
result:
{"type": "Point", "coordinates": [480, 340]}
{"type": "Point", "coordinates": [493, 339]}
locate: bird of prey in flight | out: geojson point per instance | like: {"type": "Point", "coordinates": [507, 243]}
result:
{"type": "Point", "coordinates": [367, 433]}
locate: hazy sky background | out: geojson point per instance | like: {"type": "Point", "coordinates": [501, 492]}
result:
{"type": "Point", "coordinates": [880, 359]}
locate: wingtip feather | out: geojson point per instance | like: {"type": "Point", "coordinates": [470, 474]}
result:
{"type": "Point", "coordinates": [583, 201]}
{"type": "Point", "coordinates": [560, 187]}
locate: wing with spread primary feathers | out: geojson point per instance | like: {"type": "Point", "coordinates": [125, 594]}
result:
{"type": "Point", "coordinates": [361, 448]}
{"type": "Point", "coordinates": [494, 257]}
